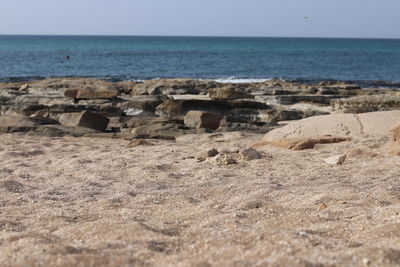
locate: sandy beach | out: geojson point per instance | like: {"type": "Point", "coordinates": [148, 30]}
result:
{"type": "Point", "coordinates": [102, 202]}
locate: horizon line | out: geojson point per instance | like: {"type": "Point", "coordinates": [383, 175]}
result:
{"type": "Point", "coordinates": [200, 36]}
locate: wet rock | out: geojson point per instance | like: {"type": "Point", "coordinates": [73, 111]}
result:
{"type": "Point", "coordinates": [201, 119]}
{"type": "Point", "coordinates": [85, 119]}
{"type": "Point", "coordinates": [250, 154]}
{"type": "Point", "coordinates": [207, 153]}
{"type": "Point", "coordinates": [336, 160]}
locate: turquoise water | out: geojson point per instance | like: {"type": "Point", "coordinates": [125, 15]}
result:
{"type": "Point", "coordinates": [132, 58]}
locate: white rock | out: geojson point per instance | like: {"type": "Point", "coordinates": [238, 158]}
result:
{"type": "Point", "coordinates": [336, 160]}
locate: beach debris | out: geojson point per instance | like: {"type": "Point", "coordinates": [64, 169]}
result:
{"type": "Point", "coordinates": [207, 153]}
{"type": "Point", "coordinates": [201, 119]}
{"type": "Point", "coordinates": [336, 160]}
{"type": "Point", "coordinates": [250, 154]}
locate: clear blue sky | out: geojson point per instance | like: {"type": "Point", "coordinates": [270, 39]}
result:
{"type": "Point", "coordinates": [327, 18]}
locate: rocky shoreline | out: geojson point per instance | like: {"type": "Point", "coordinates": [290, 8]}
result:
{"type": "Point", "coordinates": [167, 108]}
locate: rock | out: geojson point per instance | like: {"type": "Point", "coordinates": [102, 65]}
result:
{"type": "Point", "coordinates": [250, 154]}
{"type": "Point", "coordinates": [60, 130]}
{"type": "Point", "coordinates": [360, 104]}
{"type": "Point", "coordinates": [302, 143]}
{"type": "Point", "coordinates": [181, 107]}
{"type": "Point", "coordinates": [157, 131]}
{"type": "Point", "coordinates": [145, 103]}
{"type": "Point", "coordinates": [85, 119]}
{"type": "Point", "coordinates": [338, 125]}
{"type": "Point", "coordinates": [207, 153]}
{"type": "Point", "coordinates": [90, 93]}
{"type": "Point", "coordinates": [228, 93]}
{"type": "Point", "coordinates": [172, 87]}
{"type": "Point", "coordinates": [201, 119]}
{"type": "Point", "coordinates": [18, 123]}
{"type": "Point", "coordinates": [336, 160]}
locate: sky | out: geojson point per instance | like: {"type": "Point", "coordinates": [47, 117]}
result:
{"type": "Point", "coordinates": [280, 18]}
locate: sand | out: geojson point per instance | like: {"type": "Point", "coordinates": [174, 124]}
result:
{"type": "Point", "coordinates": [100, 202]}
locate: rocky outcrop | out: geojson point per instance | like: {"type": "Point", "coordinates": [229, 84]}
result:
{"type": "Point", "coordinates": [369, 103]}
{"type": "Point", "coordinates": [157, 108]}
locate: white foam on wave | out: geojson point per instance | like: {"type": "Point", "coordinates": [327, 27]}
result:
{"type": "Point", "coordinates": [236, 80]}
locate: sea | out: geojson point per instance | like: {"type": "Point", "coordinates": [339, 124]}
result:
{"type": "Point", "coordinates": [372, 62]}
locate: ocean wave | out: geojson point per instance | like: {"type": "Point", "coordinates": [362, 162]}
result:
{"type": "Point", "coordinates": [241, 80]}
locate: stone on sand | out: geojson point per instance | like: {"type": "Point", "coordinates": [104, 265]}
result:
{"type": "Point", "coordinates": [202, 119]}
{"type": "Point", "coordinates": [336, 160]}
{"type": "Point", "coordinates": [85, 119]}
{"type": "Point", "coordinates": [250, 154]}
{"type": "Point", "coordinates": [207, 153]}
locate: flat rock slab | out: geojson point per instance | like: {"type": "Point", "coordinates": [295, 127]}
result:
{"type": "Point", "coordinates": [339, 125]}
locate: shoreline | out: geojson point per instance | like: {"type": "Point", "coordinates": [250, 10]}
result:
{"type": "Point", "coordinates": [376, 84]}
